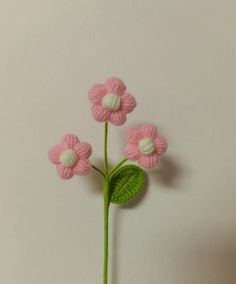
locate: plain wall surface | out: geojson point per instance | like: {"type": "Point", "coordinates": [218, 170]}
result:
{"type": "Point", "coordinates": [178, 58]}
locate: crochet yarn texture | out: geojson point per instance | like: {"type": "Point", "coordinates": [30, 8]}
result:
{"type": "Point", "coordinates": [111, 104]}
{"type": "Point", "coordinates": [126, 183]}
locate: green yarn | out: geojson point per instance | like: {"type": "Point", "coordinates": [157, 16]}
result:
{"type": "Point", "coordinates": [126, 183]}
{"type": "Point", "coordinates": [106, 193]}
{"type": "Point", "coordinates": [121, 184]}
{"type": "Point", "coordinates": [105, 147]}
{"type": "Point", "coordinates": [106, 229]}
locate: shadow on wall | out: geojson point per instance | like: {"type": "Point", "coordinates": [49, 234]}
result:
{"type": "Point", "coordinates": [211, 260]}
{"type": "Point", "coordinates": [95, 179]}
{"type": "Point", "coordinates": [168, 174]}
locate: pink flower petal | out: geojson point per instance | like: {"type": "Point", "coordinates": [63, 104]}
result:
{"type": "Point", "coordinates": [118, 117]}
{"type": "Point", "coordinates": [54, 154]}
{"type": "Point", "coordinates": [149, 130]}
{"type": "Point", "coordinates": [100, 113]}
{"type": "Point", "coordinates": [161, 145]}
{"type": "Point", "coordinates": [96, 93]}
{"type": "Point", "coordinates": [148, 161]}
{"type": "Point", "coordinates": [64, 173]}
{"type": "Point", "coordinates": [115, 85]}
{"type": "Point", "coordinates": [132, 152]}
{"type": "Point", "coordinates": [133, 135]}
{"type": "Point", "coordinates": [83, 150]}
{"type": "Point", "coordinates": [70, 140]}
{"type": "Point", "coordinates": [82, 168]}
{"type": "Point", "coordinates": [128, 103]}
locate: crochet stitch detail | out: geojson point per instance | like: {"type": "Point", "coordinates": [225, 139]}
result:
{"type": "Point", "coordinates": [71, 157]}
{"type": "Point", "coordinates": [144, 145]}
{"type": "Point", "coordinates": [68, 158]}
{"type": "Point", "coordinates": [110, 102]}
{"type": "Point", "coordinates": [126, 183]}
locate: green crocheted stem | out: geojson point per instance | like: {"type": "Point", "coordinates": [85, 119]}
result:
{"type": "Point", "coordinates": [98, 170]}
{"type": "Point", "coordinates": [106, 207]}
{"type": "Point", "coordinates": [106, 230]}
{"type": "Point", "coordinates": [105, 148]}
{"type": "Point", "coordinates": [117, 166]}
{"type": "Point", "coordinates": [107, 199]}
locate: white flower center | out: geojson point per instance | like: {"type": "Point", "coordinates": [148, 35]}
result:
{"type": "Point", "coordinates": [146, 146]}
{"type": "Point", "coordinates": [111, 102]}
{"type": "Point", "coordinates": [68, 158]}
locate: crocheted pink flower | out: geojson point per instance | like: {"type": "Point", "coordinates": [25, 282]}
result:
{"type": "Point", "coordinates": [111, 102]}
{"type": "Point", "coordinates": [144, 145]}
{"type": "Point", "coordinates": [71, 157]}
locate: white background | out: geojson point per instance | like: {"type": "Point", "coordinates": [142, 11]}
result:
{"type": "Point", "coordinates": [178, 59]}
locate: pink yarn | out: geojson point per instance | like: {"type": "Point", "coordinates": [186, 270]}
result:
{"type": "Point", "coordinates": [116, 87]}
{"type": "Point", "coordinates": [133, 150]}
{"type": "Point", "coordinates": [76, 158]}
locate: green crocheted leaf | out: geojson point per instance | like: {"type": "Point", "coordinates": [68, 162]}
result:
{"type": "Point", "coordinates": [126, 183]}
